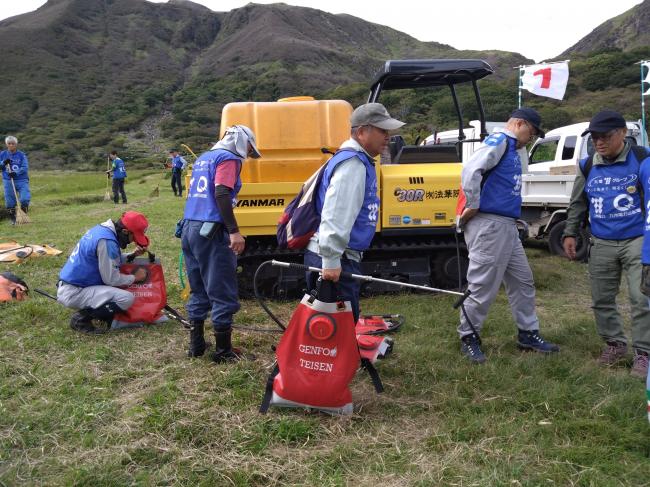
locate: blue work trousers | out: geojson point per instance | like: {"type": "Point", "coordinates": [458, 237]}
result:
{"type": "Point", "coordinates": [22, 188]}
{"type": "Point", "coordinates": [212, 274]}
{"type": "Point", "coordinates": [349, 288]}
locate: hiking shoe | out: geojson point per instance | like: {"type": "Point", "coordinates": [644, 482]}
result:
{"type": "Point", "coordinates": [471, 348]}
{"type": "Point", "coordinates": [530, 340]}
{"type": "Point", "coordinates": [612, 353]}
{"type": "Point", "coordinates": [640, 364]}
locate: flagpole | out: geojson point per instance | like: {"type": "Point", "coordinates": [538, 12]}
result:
{"type": "Point", "coordinates": [521, 69]}
{"type": "Point", "coordinates": [643, 134]}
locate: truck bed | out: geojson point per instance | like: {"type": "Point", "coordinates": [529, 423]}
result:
{"type": "Point", "coordinates": [546, 190]}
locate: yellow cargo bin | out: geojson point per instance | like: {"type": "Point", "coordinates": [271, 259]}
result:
{"type": "Point", "coordinates": [290, 135]}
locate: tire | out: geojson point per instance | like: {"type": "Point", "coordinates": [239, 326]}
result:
{"type": "Point", "coordinates": [445, 269]}
{"type": "Point", "coordinates": [555, 241]}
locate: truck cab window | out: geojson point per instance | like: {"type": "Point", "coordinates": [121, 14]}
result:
{"type": "Point", "coordinates": [569, 147]}
{"type": "Point", "coordinates": [544, 151]}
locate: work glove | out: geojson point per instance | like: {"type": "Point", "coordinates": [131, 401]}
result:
{"type": "Point", "coordinates": [6, 162]}
{"type": "Point", "coordinates": [12, 175]}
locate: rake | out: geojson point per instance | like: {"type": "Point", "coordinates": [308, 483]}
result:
{"type": "Point", "coordinates": [107, 194]}
{"type": "Point", "coordinates": [21, 216]}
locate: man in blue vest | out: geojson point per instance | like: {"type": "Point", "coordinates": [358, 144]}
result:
{"type": "Point", "coordinates": [348, 203]}
{"type": "Point", "coordinates": [491, 181]}
{"type": "Point", "coordinates": [178, 165]}
{"type": "Point", "coordinates": [607, 188]}
{"type": "Point", "coordinates": [90, 279]}
{"type": "Point", "coordinates": [15, 167]}
{"type": "Point", "coordinates": [118, 168]}
{"type": "Point", "coordinates": [211, 241]}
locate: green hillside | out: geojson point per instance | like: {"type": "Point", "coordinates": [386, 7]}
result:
{"type": "Point", "coordinates": [87, 76]}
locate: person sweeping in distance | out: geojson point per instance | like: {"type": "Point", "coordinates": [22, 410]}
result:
{"type": "Point", "coordinates": [90, 279]}
{"type": "Point", "coordinates": [15, 177]}
{"type": "Point", "coordinates": [118, 168]}
{"type": "Point", "coordinates": [179, 164]}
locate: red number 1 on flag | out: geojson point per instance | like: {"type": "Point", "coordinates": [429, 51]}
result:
{"type": "Point", "coordinates": [546, 77]}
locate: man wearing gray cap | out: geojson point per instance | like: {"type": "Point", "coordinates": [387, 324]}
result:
{"type": "Point", "coordinates": [608, 189]}
{"type": "Point", "coordinates": [491, 182]}
{"type": "Point", "coordinates": [348, 203]}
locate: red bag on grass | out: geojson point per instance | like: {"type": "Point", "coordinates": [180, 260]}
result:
{"type": "Point", "coordinates": [150, 295]}
{"type": "Point", "coordinates": [317, 358]}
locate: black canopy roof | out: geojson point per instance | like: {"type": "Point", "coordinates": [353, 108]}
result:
{"type": "Point", "coordinates": [418, 73]}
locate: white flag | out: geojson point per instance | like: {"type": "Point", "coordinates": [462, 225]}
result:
{"type": "Point", "coordinates": [647, 78]}
{"type": "Point", "coordinates": [546, 79]}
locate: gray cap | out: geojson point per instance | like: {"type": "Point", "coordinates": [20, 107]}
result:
{"type": "Point", "coordinates": [374, 114]}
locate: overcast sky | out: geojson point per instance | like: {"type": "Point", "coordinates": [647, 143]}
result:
{"type": "Point", "coordinates": [538, 30]}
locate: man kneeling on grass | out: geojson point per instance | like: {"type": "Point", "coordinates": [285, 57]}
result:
{"type": "Point", "coordinates": [90, 279]}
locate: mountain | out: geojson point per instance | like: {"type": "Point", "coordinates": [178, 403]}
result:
{"type": "Point", "coordinates": [83, 77]}
{"type": "Point", "coordinates": [88, 75]}
{"type": "Point", "coordinates": [626, 32]}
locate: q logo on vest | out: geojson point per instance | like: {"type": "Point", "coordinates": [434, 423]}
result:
{"type": "Point", "coordinates": [202, 184]}
{"type": "Point", "coordinates": [623, 202]}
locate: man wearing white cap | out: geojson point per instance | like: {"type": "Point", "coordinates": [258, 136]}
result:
{"type": "Point", "coordinates": [348, 202]}
{"type": "Point", "coordinates": [211, 240]}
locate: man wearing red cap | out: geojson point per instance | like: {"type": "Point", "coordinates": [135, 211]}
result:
{"type": "Point", "coordinates": [90, 279]}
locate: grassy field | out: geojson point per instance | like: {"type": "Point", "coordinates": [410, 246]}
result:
{"type": "Point", "coordinates": [129, 408]}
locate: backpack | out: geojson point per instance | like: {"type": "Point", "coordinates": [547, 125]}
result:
{"type": "Point", "coordinates": [300, 219]}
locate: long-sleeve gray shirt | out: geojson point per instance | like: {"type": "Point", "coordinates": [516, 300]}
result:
{"type": "Point", "coordinates": [579, 204]}
{"type": "Point", "coordinates": [109, 259]}
{"type": "Point", "coordinates": [343, 201]}
{"type": "Point", "coordinates": [486, 157]}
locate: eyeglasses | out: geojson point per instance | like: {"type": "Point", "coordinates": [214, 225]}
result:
{"type": "Point", "coordinates": [605, 136]}
{"type": "Point", "coordinates": [532, 129]}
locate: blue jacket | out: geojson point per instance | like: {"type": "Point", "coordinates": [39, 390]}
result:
{"type": "Point", "coordinates": [365, 224]}
{"type": "Point", "coordinates": [501, 192]}
{"type": "Point", "coordinates": [82, 267]}
{"type": "Point", "coordinates": [19, 164]}
{"type": "Point", "coordinates": [201, 203]}
{"type": "Point", "coordinates": [614, 201]}
{"type": "Point", "coordinates": [178, 163]}
{"type": "Point", "coordinates": [119, 169]}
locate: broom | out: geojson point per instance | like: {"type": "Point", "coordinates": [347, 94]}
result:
{"type": "Point", "coordinates": [21, 216]}
{"type": "Point", "coordinates": [156, 191]}
{"type": "Point", "coordinates": [107, 194]}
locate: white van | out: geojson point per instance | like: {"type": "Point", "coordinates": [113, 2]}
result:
{"type": "Point", "coordinates": [565, 146]}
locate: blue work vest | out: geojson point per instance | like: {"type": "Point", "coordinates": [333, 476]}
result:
{"type": "Point", "coordinates": [364, 226]}
{"type": "Point", "coordinates": [177, 162]}
{"type": "Point", "coordinates": [614, 200]}
{"type": "Point", "coordinates": [19, 164]}
{"type": "Point", "coordinates": [201, 204]}
{"type": "Point", "coordinates": [119, 169]}
{"type": "Point", "coordinates": [82, 267]}
{"type": "Point", "coordinates": [501, 192]}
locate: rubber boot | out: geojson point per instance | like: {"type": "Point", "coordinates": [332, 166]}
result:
{"type": "Point", "coordinates": [224, 352]}
{"type": "Point", "coordinates": [12, 215]}
{"type": "Point", "coordinates": [81, 321]}
{"type": "Point", "coordinates": [197, 340]}
{"type": "Point", "coordinates": [105, 313]}
{"type": "Point", "coordinates": [24, 207]}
